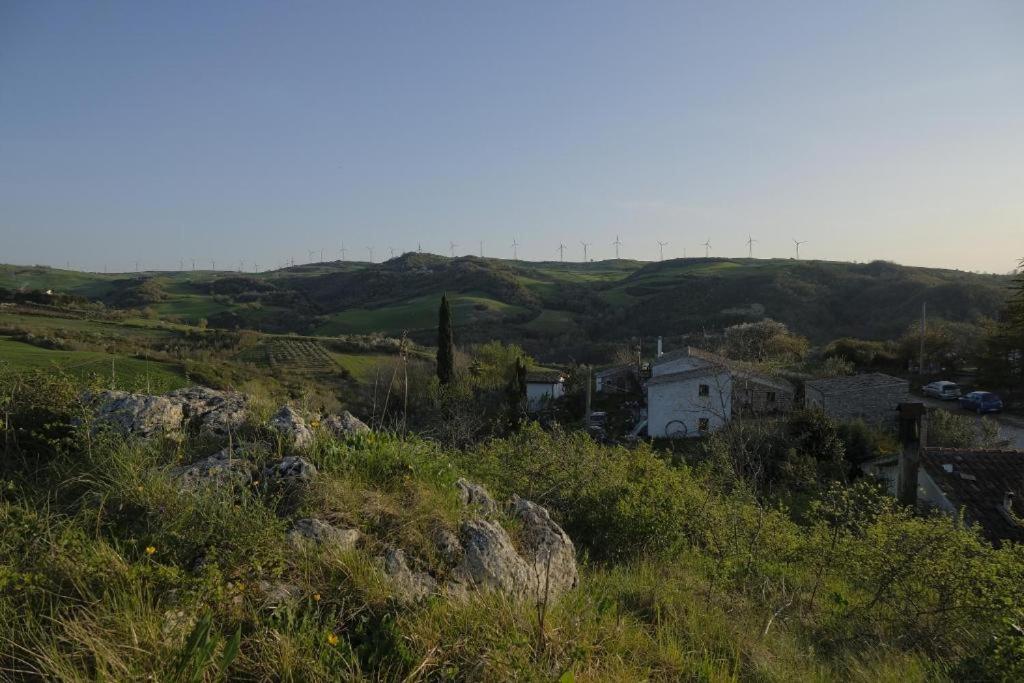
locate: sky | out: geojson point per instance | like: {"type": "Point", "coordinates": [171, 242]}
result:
{"type": "Point", "coordinates": [260, 132]}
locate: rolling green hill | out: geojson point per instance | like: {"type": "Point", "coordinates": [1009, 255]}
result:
{"type": "Point", "coordinates": [551, 308]}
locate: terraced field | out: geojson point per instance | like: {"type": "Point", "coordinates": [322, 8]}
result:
{"type": "Point", "coordinates": [306, 356]}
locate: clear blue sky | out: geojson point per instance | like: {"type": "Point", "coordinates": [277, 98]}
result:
{"type": "Point", "coordinates": [260, 131]}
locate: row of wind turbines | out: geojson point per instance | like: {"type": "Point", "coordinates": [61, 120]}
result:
{"type": "Point", "coordinates": [343, 251]}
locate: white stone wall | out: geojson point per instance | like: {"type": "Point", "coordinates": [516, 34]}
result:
{"type": "Point", "coordinates": [682, 401]}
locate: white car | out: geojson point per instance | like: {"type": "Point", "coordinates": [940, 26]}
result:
{"type": "Point", "coordinates": [946, 391]}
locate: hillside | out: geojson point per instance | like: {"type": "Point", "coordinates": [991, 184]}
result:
{"type": "Point", "coordinates": [552, 308]}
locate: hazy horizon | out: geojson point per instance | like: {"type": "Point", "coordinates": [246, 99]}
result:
{"type": "Point", "coordinates": [263, 132]}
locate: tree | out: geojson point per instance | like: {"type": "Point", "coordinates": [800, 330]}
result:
{"type": "Point", "coordinates": [516, 393]}
{"type": "Point", "coordinates": [1001, 363]}
{"type": "Point", "coordinates": [445, 343]}
{"type": "Point", "coordinates": [762, 341]}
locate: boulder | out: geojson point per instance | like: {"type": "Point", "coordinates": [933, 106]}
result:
{"type": "Point", "coordinates": [546, 547]}
{"type": "Point", "coordinates": [318, 532]}
{"type": "Point", "coordinates": [476, 495]}
{"type": "Point", "coordinates": [276, 595]}
{"type": "Point", "coordinates": [219, 469]}
{"type": "Point", "coordinates": [448, 546]}
{"type": "Point", "coordinates": [292, 427]}
{"type": "Point", "coordinates": [138, 414]}
{"type": "Point", "coordinates": [290, 470]}
{"type": "Point", "coordinates": [345, 424]}
{"type": "Point", "coordinates": [212, 411]}
{"type": "Point", "coordinates": [411, 586]}
{"type": "Point", "coordinates": [490, 561]}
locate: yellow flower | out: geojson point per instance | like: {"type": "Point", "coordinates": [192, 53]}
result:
{"type": "Point", "coordinates": [150, 550]}
{"type": "Point", "coordinates": [332, 639]}
{"type": "Point", "coordinates": [316, 597]}
{"type": "Point", "coordinates": [314, 423]}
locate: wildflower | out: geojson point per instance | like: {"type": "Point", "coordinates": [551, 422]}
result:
{"type": "Point", "coordinates": [150, 549]}
{"type": "Point", "coordinates": [314, 423]}
{"type": "Point", "coordinates": [332, 639]}
{"type": "Point", "coordinates": [316, 597]}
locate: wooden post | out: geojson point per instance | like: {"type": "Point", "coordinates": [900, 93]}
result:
{"type": "Point", "coordinates": [912, 440]}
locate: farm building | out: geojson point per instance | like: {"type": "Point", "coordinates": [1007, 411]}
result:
{"type": "Point", "coordinates": [756, 394]}
{"type": "Point", "coordinates": [987, 485]}
{"type": "Point", "coordinates": [872, 397]}
{"type": "Point", "coordinates": [543, 386]}
{"type": "Point", "coordinates": [689, 394]}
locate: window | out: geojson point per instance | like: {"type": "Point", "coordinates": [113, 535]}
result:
{"type": "Point", "coordinates": [702, 424]}
{"type": "Point", "coordinates": [704, 390]}
{"type": "Point", "coordinates": [771, 397]}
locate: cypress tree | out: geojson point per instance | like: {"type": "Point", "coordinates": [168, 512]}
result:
{"type": "Point", "coordinates": [445, 343]}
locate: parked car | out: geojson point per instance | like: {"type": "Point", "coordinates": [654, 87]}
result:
{"type": "Point", "coordinates": [981, 402]}
{"type": "Point", "coordinates": [947, 391]}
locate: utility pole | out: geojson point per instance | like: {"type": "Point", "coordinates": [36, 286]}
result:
{"type": "Point", "coordinates": [924, 318]}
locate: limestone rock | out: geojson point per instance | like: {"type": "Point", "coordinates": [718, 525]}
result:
{"type": "Point", "coordinates": [475, 494]}
{"type": "Point", "coordinates": [411, 586]}
{"type": "Point", "coordinates": [278, 594]}
{"type": "Point", "coordinates": [138, 414]}
{"type": "Point", "coordinates": [547, 548]}
{"type": "Point", "coordinates": [290, 470]}
{"type": "Point", "coordinates": [292, 426]}
{"type": "Point", "coordinates": [490, 561]}
{"type": "Point", "coordinates": [212, 411]}
{"type": "Point", "coordinates": [345, 424]}
{"type": "Point", "coordinates": [448, 546]}
{"type": "Point", "coordinates": [321, 533]}
{"type": "Point", "coordinates": [220, 469]}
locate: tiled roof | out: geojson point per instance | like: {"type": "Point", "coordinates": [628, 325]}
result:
{"type": "Point", "coordinates": [702, 371]}
{"type": "Point", "coordinates": [739, 369]}
{"type": "Point", "coordinates": [873, 380]}
{"type": "Point", "coordinates": [977, 481]}
{"type": "Point", "coordinates": [544, 376]}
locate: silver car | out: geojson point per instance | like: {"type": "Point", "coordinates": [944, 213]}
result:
{"type": "Point", "coordinates": [946, 391]}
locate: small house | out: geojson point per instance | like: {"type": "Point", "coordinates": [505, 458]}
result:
{"type": "Point", "coordinates": [872, 397]}
{"type": "Point", "coordinates": [619, 379]}
{"type": "Point", "coordinates": [689, 394]}
{"type": "Point", "coordinates": [542, 387]}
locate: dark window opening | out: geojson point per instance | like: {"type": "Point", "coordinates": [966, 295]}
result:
{"type": "Point", "coordinates": [704, 390]}
{"type": "Point", "coordinates": [771, 397]}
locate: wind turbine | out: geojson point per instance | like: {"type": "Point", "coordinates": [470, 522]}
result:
{"type": "Point", "coordinates": [181, 265]}
{"type": "Point", "coordinates": [370, 249]}
{"type": "Point", "coordinates": [798, 243]}
{"type": "Point", "coordinates": [213, 265]}
{"type": "Point", "coordinates": [481, 248]}
{"type": "Point", "coordinates": [515, 249]}
{"type": "Point", "coordinates": [617, 243]}
{"type": "Point", "coordinates": [343, 251]}
{"type": "Point", "coordinates": [392, 251]}
{"type": "Point", "coordinates": [661, 249]}
{"type": "Point", "coordinates": [193, 265]}
{"type": "Point", "coordinates": [707, 248]}
{"type": "Point", "coordinates": [419, 248]}
{"type": "Point", "coordinates": [321, 256]}
{"type": "Point", "coordinates": [750, 246]}
{"type": "Point", "coordinates": [241, 266]}
{"type": "Point", "coordinates": [136, 266]}
{"type": "Point", "coordinates": [586, 245]}
{"type": "Point", "coordinates": [310, 253]}
{"type": "Point", "coordinates": [451, 248]}
{"type": "Point", "coordinates": [561, 251]}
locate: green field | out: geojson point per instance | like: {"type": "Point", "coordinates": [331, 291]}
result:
{"type": "Point", "coordinates": [364, 366]}
{"type": "Point", "coordinates": [128, 373]}
{"type": "Point", "coordinates": [415, 314]}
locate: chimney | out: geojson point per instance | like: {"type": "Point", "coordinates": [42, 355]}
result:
{"type": "Point", "coordinates": [912, 441]}
{"type": "Point", "coordinates": [659, 347]}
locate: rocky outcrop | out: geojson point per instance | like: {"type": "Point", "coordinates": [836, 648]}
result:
{"type": "Point", "coordinates": [287, 422]}
{"type": "Point", "coordinates": [290, 470]}
{"type": "Point", "coordinates": [345, 424]}
{"type": "Point", "coordinates": [219, 470]}
{"type": "Point", "coordinates": [212, 411]}
{"type": "Point", "coordinates": [138, 414]}
{"type": "Point", "coordinates": [317, 532]}
{"type": "Point", "coordinates": [546, 548]}
{"type": "Point", "coordinates": [476, 495]}
{"type": "Point", "coordinates": [411, 586]}
{"type": "Point", "coordinates": [215, 412]}
{"type": "Point", "coordinates": [543, 567]}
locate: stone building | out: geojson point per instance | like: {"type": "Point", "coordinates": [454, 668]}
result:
{"type": "Point", "coordinates": [872, 397]}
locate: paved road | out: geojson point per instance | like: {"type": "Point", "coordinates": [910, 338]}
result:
{"type": "Point", "coordinates": [1011, 427]}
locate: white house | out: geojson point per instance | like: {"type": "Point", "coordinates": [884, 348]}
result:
{"type": "Point", "coordinates": [543, 387]}
{"type": "Point", "coordinates": [689, 394]}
